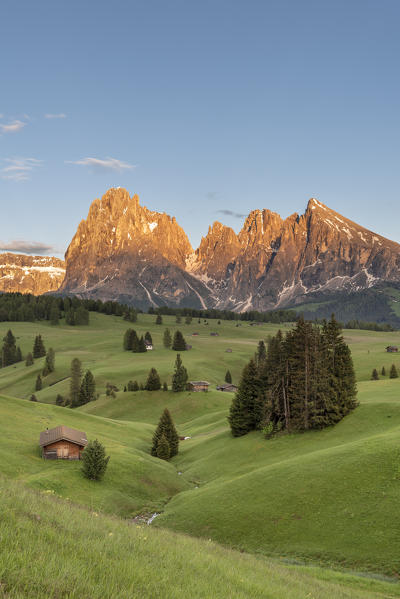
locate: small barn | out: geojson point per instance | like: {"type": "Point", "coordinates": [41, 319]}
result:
{"type": "Point", "coordinates": [195, 334]}
{"type": "Point", "coordinates": [62, 443]}
{"type": "Point", "coordinates": [214, 334]}
{"type": "Point", "coordinates": [392, 349]}
{"type": "Point", "coordinates": [149, 346]}
{"type": "Point", "coordinates": [229, 387]}
{"type": "Point", "coordinates": [198, 386]}
{"type": "Point", "coordinates": [228, 351]}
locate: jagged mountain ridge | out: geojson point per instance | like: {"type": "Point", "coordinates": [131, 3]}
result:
{"type": "Point", "coordinates": [125, 252]}
{"type": "Point", "coordinates": [30, 274]}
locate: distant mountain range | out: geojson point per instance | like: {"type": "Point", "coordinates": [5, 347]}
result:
{"type": "Point", "coordinates": [125, 252]}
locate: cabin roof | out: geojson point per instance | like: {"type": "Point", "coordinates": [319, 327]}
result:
{"type": "Point", "coordinates": [62, 433]}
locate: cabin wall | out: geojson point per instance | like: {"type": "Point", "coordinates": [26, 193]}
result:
{"type": "Point", "coordinates": [65, 450]}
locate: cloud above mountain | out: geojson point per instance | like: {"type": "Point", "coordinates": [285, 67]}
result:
{"type": "Point", "coordinates": [12, 127]}
{"type": "Point", "coordinates": [19, 169]}
{"type": "Point", "coordinates": [103, 164]}
{"type": "Point", "coordinates": [27, 247]}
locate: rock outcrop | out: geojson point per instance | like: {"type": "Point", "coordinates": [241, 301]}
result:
{"type": "Point", "coordinates": [30, 274]}
{"type": "Point", "coordinates": [125, 252]}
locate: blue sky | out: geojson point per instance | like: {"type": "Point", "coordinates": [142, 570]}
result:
{"type": "Point", "coordinates": [198, 107]}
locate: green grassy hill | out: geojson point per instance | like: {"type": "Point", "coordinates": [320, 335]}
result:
{"type": "Point", "coordinates": [327, 497]}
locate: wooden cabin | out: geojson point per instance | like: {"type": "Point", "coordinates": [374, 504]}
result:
{"type": "Point", "coordinates": [62, 443]}
{"type": "Point", "coordinates": [214, 334]}
{"type": "Point", "coordinates": [392, 349]}
{"type": "Point", "coordinates": [149, 346]}
{"type": "Point", "coordinates": [229, 387]}
{"type": "Point", "coordinates": [198, 386]}
{"type": "Point", "coordinates": [228, 351]}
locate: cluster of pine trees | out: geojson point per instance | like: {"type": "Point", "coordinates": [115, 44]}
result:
{"type": "Point", "coordinates": [165, 439]}
{"type": "Point", "coordinates": [303, 381]}
{"type": "Point", "coordinates": [135, 344]}
{"type": "Point", "coordinates": [393, 374]}
{"type": "Point", "coordinates": [273, 316]}
{"type": "Point", "coordinates": [10, 353]}
{"type": "Point", "coordinates": [82, 387]}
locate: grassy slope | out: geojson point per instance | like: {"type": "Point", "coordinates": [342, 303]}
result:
{"type": "Point", "coordinates": [51, 548]}
{"type": "Point", "coordinates": [330, 496]}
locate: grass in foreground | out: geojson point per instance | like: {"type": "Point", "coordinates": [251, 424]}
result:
{"type": "Point", "coordinates": [50, 548]}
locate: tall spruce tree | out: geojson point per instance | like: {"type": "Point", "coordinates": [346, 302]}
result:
{"type": "Point", "coordinates": [166, 427]}
{"type": "Point", "coordinates": [153, 382]}
{"type": "Point", "coordinates": [38, 384]}
{"type": "Point", "coordinates": [383, 371]}
{"type": "Point", "coordinates": [129, 338]}
{"type": "Point", "coordinates": [49, 365]}
{"type": "Point", "coordinates": [163, 449]}
{"type": "Point", "coordinates": [141, 346]}
{"type": "Point", "coordinates": [29, 360]}
{"type": "Point", "coordinates": [179, 343]}
{"type": "Point", "coordinates": [75, 382]}
{"type": "Point", "coordinates": [39, 350]}
{"type": "Point", "coordinates": [246, 409]}
{"type": "Point", "coordinates": [180, 376]}
{"type": "Point", "coordinates": [393, 372]}
{"type": "Point", "coordinates": [374, 375]}
{"type": "Point", "coordinates": [159, 319]}
{"type": "Point", "coordinates": [9, 350]}
{"type": "Point", "coordinates": [228, 377]}
{"type": "Point", "coordinates": [148, 337]}
{"type": "Point", "coordinates": [167, 339]}
{"type": "Point", "coordinates": [87, 391]}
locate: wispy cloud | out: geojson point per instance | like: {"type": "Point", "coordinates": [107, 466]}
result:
{"type": "Point", "coordinates": [27, 247]}
{"type": "Point", "coordinates": [231, 213]}
{"type": "Point", "coordinates": [12, 127]}
{"type": "Point", "coordinates": [105, 164]}
{"type": "Point", "coordinates": [60, 115]}
{"type": "Point", "coordinates": [19, 169]}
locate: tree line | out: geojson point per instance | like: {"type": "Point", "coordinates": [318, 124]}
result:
{"type": "Point", "coordinates": [303, 380]}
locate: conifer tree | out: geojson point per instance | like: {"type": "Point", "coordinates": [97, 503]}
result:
{"type": "Point", "coordinates": [148, 338]}
{"type": "Point", "coordinates": [159, 319]}
{"type": "Point", "coordinates": [33, 397]}
{"type": "Point", "coordinates": [59, 400]}
{"type": "Point", "coordinates": [38, 384]}
{"type": "Point", "coordinates": [383, 371]}
{"type": "Point", "coordinates": [81, 316]}
{"type": "Point", "coordinates": [49, 365]}
{"type": "Point", "coordinates": [261, 353]}
{"type": "Point", "coordinates": [19, 354]}
{"type": "Point", "coordinates": [167, 339]}
{"type": "Point", "coordinates": [153, 382]}
{"type": "Point", "coordinates": [129, 337]}
{"type": "Point", "coordinates": [178, 319]}
{"type": "Point", "coordinates": [374, 375]}
{"type": "Point", "coordinates": [87, 391]}
{"type": "Point", "coordinates": [166, 427]}
{"type": "Point", "coordinates": [393, 372]}
{"type": "Point", "coordinates": [9, 350]}
{"type": "Point", "coordinates": [228, 377]}
{"type": "Point", "coordinates": [135, 386]}
{"type": "Point", "coordinates": [39, 349]}
{"type": "Point", "coordinates": [75, 382]}
{"type": "Point", "coordinates": [141, 387]}
{"type": "Point", "coordinates": [29, 360]}
{"type": "Point", "coordinates": [245, 412]}
{"type": "Point", "coordinates": [180, 376]}
{"type": "Point", "coordinates": [165, 387]}
{"type": "Point", "coordinates": [135, 344]}
{"type": "Point", "coordinates": [141, 345]}
{"type": "Point", "coordinates": [179, 343]}
{"type": "Point", "coordinates": [163, 449]}
{"type": "Point", "coordinates": [94, 460]}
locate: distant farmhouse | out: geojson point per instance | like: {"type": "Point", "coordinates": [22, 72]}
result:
{"type": "Point", "coordinates": [198, 386]}
{"type": "Point", "coordinates": [149, 346]}
{"type": "Point", "coordinates": [214, 334]}
{"type": "Point", "coordinates": [392, 349]}
{"type": "Point", "coordinates": [62, 443]}
{"type": "Point", "coordinates": [227, 387]}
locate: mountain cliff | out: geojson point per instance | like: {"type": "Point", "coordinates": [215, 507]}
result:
{"type": "Point", "coordinates": [30, 274]}
{"type": "Point", "coordinates": [125, 252]}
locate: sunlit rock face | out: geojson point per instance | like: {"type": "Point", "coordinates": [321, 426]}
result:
{"type": "Point", "coordinates": [125, 252]}
{"type": "Point", "coordinates": [30, 274]}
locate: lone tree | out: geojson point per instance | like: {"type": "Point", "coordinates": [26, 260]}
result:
{"type": "Point", "coordinates": [29, 360]}
{"type": "Point", "coordinates": [179, 343]}
{"type": "Point", "coordinates": [167, 339]}
{"type": "Point", "coordinates": [148, 337]}
{"type": "Point", "coordinates": [180, 376]}
{"type": "Point", "coordinates": [163, 449]}
{"type": "Point", "coordinates": [39, 349]}
{"type": "Point", "coordinates": [38, 384]}
{"type": "Point", "coordinates": [383, 371]}
{"type": "Point", "coordinates": [393, 372]}
{"type": "Point", "coordinates": [49, 365]}
{"type": "Point", "coordinates": [94, 460]}
{"type": "Point", "coordinates": [87, 391]}
{"type": "Point", "coordinates": [228, 377]}
{"type": "Point", "coordinates": [33, 397]}
{"type": "Point", "coordinates": [374, 375]}
{"type": "Point", "coordinates": [159, 319]}
{"type": "Point", "coordinates": [153, 382]}
{"type": "Point", "coordinates": [167, 428]}
{"type": "Point", "coordinates": [75, 382]}
{"type": "Point", "coordinates": [9, 351]}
